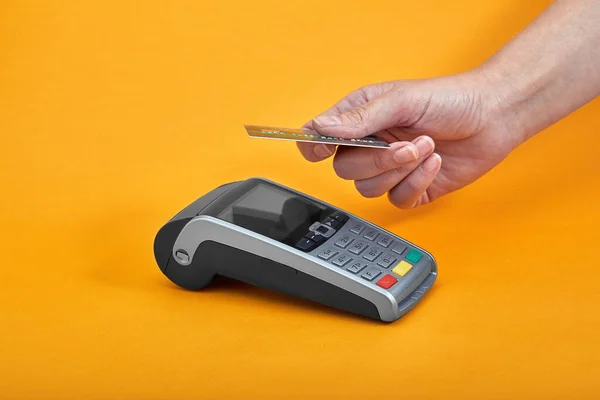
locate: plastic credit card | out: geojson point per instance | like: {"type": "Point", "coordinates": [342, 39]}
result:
{"type": "Point", "coordinates": [305, 135]}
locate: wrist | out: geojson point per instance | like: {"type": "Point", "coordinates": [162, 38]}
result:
{"type": "Point", "coordinates": [514, 102]}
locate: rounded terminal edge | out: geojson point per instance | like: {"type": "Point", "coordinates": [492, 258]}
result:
{"type": "Point", "coordinates": [182, 257]}
{"type": "Point", "coordinates": [164, 242]}
{"type": "Point", "coordinates": [390, 313]}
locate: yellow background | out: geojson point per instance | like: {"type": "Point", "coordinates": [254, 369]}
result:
{"type": "Point", "coordinates": [116, 114]}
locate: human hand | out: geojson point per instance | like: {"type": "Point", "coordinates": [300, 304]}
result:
{"type": "Point", "coordinates": [444, 134]}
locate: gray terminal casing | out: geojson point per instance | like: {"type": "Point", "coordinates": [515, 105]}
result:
{"type": "Point", "coordinates": [195, 246]}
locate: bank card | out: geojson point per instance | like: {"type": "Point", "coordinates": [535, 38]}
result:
{"type": "Point", "coordinates": [306, 135]}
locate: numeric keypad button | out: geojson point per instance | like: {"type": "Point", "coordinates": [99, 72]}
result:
{"type": "Point", "coordinates": [344, 241]}
{"type": "Point", "coordinates": [372, 254]}
{"type": "Point", "coordinates": [357, 227]}
{"type": "Point", "coordinates": [358, 247]}
{"type": "Point", "coordinates": [356, 267]}
{"type": "Point", "coordinates": [385, 241]}
{"type": "Point", "coordinates": [341, 260]}
{"type": "Point", "coordinates": [328, 253]}
{"type": "Point", "coordinates": [371, 235]}
{"type": "Point", "coordinates": [387, 260]}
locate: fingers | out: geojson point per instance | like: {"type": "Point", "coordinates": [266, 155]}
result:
{"type": "Point", "coordinates": [404, 171]}
{"type": "Point", "coordinates": [411, 191]}
{"type": "Point", "coordinates": [354, 163]}
{"type": "Point", "coordinates": [370, 164]}
{"type": "Point", "coordinates": [363, 120]}
{"type": "Point", "coordinates": [319, 152]}
{"type": "Point", "coordinates": [378, 185]}
{"type": "Point", "coordinates": [315, 152]}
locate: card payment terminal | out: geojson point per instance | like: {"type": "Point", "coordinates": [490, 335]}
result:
{"type": "Point", "coordinates": [268, 235]}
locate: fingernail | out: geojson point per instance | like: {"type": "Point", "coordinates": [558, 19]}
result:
{"type": "Point", "coordinates": [432, 163]}
{"type": "Point", "coordinates": [405, 154]}
{"type": "Point", "coordinates": [322, 150]}
{"type": "Point", "coordinates": [424, 145]}
{"type": "Point", "coordinates": [327, 121]}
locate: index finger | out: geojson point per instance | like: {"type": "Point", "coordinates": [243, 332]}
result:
{"type": "Point", "coordinates": [314, 152]}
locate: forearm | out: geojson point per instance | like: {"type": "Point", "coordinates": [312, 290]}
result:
{"type": "Point", "coordinates": [549, 70]}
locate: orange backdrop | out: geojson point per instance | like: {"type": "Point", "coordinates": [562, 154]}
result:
{"type": "Point", "coordinates": [116, 114]}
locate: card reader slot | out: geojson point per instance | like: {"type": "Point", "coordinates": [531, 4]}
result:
{"type": "Point", "coordinates": [411, 300]}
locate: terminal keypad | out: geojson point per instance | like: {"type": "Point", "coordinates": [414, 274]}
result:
{"type": "Point", "coordinates": [370, 254]}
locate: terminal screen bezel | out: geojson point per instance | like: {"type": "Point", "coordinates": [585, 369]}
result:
{"type": "Point", "coordinates": [297, 228]}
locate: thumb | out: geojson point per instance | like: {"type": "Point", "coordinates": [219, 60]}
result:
{"type": "Point", "coordinates": [360, 121]}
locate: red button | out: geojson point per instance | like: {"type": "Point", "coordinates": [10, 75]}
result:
{"type": "Point", "coordinates": [387, 281]}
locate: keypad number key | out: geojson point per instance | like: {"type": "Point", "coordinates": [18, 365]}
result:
{"type": "Point", "coordinates": [357, 227]}
{"type": "Point", "coordinates": [385, 241]}
{"type": "Point", "coordinates": [387, 260]}
{"type": "Point", "coordinates": [356, 267]}
{"type": "Point", "coordinates": [371, 273]}
{"type": "Point", "coordinates": [371, 234]}
{"type": "Point", "coordinates": [372, 254]}
{"type": "Point", "coordinates": [344, 241]}
{"type": "Point", "coordinates": [341, 260]}
{"type": "Point", "coordinates": [328, 253]}
{"type": "Point", "coordinates": [358, 247]}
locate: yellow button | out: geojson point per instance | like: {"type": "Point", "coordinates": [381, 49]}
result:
{"type": "Point", "coordinates": [402, 268]}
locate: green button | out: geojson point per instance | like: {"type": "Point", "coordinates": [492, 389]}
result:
{"type": "Point", "coordinates": [414, 256]}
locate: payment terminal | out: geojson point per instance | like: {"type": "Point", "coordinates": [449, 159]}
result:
{"type": "Point", "coordinates": [268, 235]}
